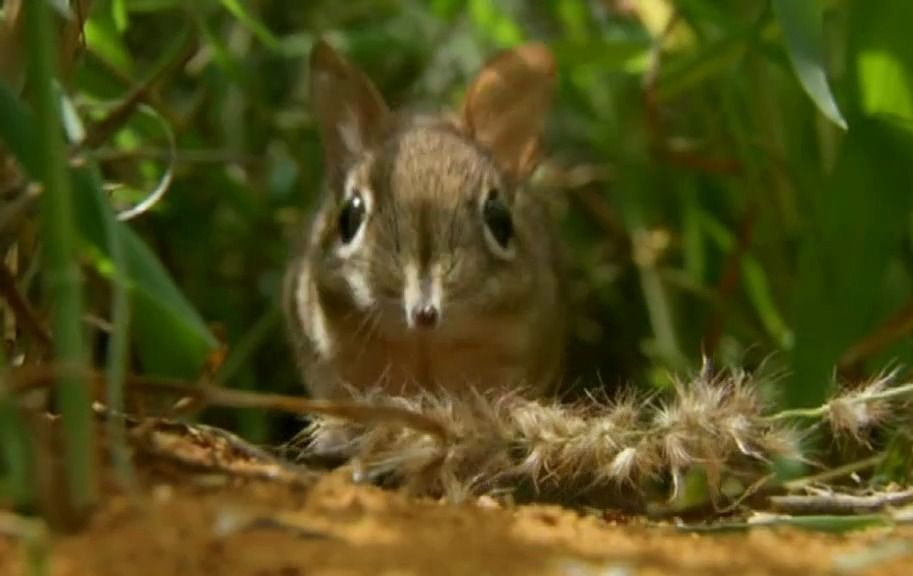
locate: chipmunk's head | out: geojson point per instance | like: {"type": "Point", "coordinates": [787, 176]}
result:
{"type": "Point", "coordinates": [428, 222]}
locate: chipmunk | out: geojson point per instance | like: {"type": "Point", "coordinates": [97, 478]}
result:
{"type": "Point", "coordinates": [430, 262]}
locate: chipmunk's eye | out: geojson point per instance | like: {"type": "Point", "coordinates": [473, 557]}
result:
{"type": "Point", "coordinates": [351, 217]}
{"type": "Point", "coordinates": [497, 220]}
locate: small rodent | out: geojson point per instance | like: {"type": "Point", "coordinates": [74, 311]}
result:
{"type": "Point", "coordinates": [430, 262]}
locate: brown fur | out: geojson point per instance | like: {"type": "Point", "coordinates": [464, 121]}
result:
{"type": "Point", "coordinates": [425, 178]}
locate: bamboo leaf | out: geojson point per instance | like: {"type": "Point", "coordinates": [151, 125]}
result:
{"type": "Point", "coordinates": [169, 333]}
{"type": "Point", "coordinates": [240, 11]}
{"type": "Point", "coordinates": [170, 336]}
{"type": "Point", "coordinates": [801, 24]}
{"type": "Point", "coordinates": [60, 265]}
{"type": "Point", "coordinates": [860, 221]}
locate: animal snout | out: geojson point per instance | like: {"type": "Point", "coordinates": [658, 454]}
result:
{"type": "Point", "coordinates": [425, 315]}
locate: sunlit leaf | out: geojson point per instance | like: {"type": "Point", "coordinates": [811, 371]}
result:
{"type": "Point", "coordinates": [120, 15]}
{"type": "Point", "coordinates": [801, 24]}
{"type": "Point", "coordinates": [495, 23]}
{"type": "Point", "coordinates": [104, 41]}
{"type": "Point", "coordinates": [884, 58]}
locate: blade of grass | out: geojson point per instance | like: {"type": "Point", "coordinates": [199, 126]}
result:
{"type": "Point", "coordinates": [242, 13]}
{"type": "Point", "coordinates": [857, 228]}
{"type": "Point", "coordinates": [61, 274]}
{"type": "Point", "coordinates": [170, 335]}
{"type": "Point", "coordinates": [14, 446]}
{"type": "Point", "coordinates": [118, 348]}
{"type": "Point", "coordinates": [801, 24]}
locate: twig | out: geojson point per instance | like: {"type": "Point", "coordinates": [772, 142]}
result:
{"type": "Point", "coordinates": [108, 125]}
{"type": "Point", "coordinates": [654, 123]}
{"type": "Point", "coordinates": [729, 280]}
{"type": "Point", "coordinates": [185, 156]}
{"type": "Point", "coordinates": [28, 377]}
{"type": "Point", "coordinates": [600, 211]}
{"type": "Point", "coordinates": [152, 436]}
{"type": "Point", "coordinates": [14, 209]}
{"type": "Point", "coordinates": [893, 329]}
{"type": "Point", "coordinates": [23, 311]}
{"type": "Point", "coordinates": [833, 473]}
{"type": "Point", "coordinates": [840, 503]}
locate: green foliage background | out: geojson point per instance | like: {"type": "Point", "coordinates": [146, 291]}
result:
{"type": "Point", "coordinates": [713, 201]}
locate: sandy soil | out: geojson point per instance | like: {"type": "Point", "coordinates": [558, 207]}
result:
{"type": "Point", "coordinates": [185, 520]}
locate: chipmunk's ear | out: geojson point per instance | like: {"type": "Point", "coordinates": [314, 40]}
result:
{"type": "Point", "coordinates": [505, 106]}
{"type": "Point", "coordinates": [348, 108]}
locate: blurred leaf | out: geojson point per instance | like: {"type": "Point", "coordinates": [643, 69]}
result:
{"type": "Point", "coordinates": [758, 290]}
{"type": "Point", "coordinates": [496, 24]}
{"type": "Point", "coordinates": [754, 279]}
{"type": "Point", "coordinates": [120, 15]}
{"type": "Point", "coordinates": [605, 54]}
{"type": "Point", "coordinates": [884, 58]}
{"type": "Point", "coordinates": [885, 89]}
{"type": "Point", "coordinates": [16, 129]}
{"type": "Point", "coordinates": [446, 8]}
{"type": "Point", "coordinates": [170, 335]}
{"type": "Point", "coordinates": [16, 451]}
{"type": "Point", "coordinates": [154, 5]}
{"type": "Point", "coordinates": [859, 222]}
{"type": "Point", "coordinates": [660, 19]}
{"type": "Point", "coordinates": [240, 11]}
{"type": "Point", "coordinates": [801, 24]}
{"type": "Point", "coordinates": [816, 523]}
{"type": "Point", "coordinates": [106, 43]}
{"type": "Point", "coordinates": [897, 463]}
{"type": "Point", "coordinates": [684, 74]}
{"type": "Point", "coordinates": [574, 18]}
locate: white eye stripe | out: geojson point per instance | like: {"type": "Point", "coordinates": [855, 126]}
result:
{"type": "Point", "coordinates": [361, 291]}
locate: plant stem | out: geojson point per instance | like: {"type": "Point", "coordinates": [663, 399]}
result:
{"type": "Point", "coordinates": [819, 411]}
{"type": "Point", "coordinates": [14, 444]}
{"type": "Point", "coordinates": [117, 351]}
{"type": "Point", "coordinates": [61, 274]}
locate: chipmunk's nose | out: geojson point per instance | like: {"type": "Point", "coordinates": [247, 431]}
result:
{"type": "Point", "coordinates": [425, 315]}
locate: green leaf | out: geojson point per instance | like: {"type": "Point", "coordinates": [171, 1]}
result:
{"type": "Point", "coordinates": [884, 58]}
{"type": "Point", "coordinates": [16, 129]}
{"type": "Point", "coordinates": [801, 24]}
{"type": "Point", "coordinates": [495, 23]}
{"type": "Point", "coordinates": [170, 336]}
{"type": "Point", "coordinates": [710, 59]}
{"type": "Point", "coordinates": [897, 463]}
{"type": "Point", "coordinates": [120, 15]}
{"type": "Point", "coordinates": [105, 41]}
{"type": "Point", "coordinates": [257, 28]}
{"type": "Point", "coordinates": [858, 225]}
{"type": "Point", "coordinates": [816, 523]}
{"type": "Point", "coordinates": [614, 54]}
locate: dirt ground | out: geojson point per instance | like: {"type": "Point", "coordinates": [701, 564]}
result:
{"type": "Point", "coordinates": [189, 520]}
